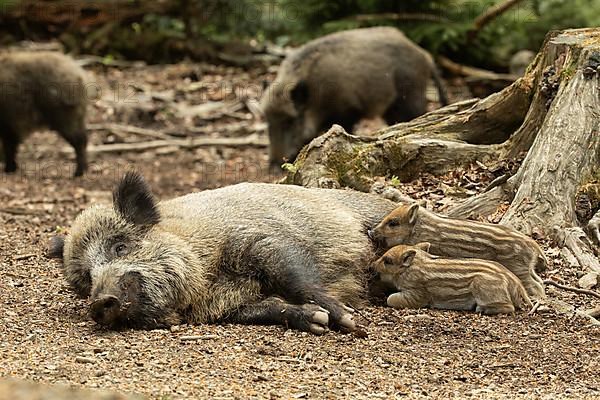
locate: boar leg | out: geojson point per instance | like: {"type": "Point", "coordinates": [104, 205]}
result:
{"type": "Point", "coordinates": [492, 297]}
{"type": "Point", "coordinates": [10, 145]}
{"type": "Point", "coordinates": [534, 288]}
{"type": "Point", "coordinates": [406, 108]}
{"type": "Point", "coordinates": [79, 142]}
{"type": "Point", "coordinates": [491, 309]}
{"type": "Point", "coordinates": [289, 271]}
{"type": "Point", "coordinates": [274, 310]}
{"type": "Point", "coordinates": [407, 299]}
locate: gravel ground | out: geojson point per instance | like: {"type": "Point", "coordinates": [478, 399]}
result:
{"type": "Point", "coordinates": [46, 335]}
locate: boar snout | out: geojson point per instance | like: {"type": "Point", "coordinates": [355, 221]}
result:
{"type": "Point", "coordinates": [375, 235]}
{"type": "Point", "coordinates": [106, 310]}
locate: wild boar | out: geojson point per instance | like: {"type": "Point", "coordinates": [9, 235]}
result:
{"type": "Point", "coordinates": [449, 283]}
{"type": "Point", "coordinates": [250, 253]}
{"type": "Point", "coordinates": [461, 238]}
{"type": "Point", "coordinates": [41, 90]}
{"type": "Point", "coordinates": [342, 78]}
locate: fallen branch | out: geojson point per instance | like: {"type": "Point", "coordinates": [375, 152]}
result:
{"type": "Point", "coordinates": [464, 70]}
{"type": "Point", "coordinates": [571, 288]}
{"type": "Point", "coordinates": [594, 312]}
{"type": "Point", "coordinates": [20, 210]}
{"type": "Point", "coordinates": [399, 17]}
{"type": "Point", "coordinates": [87, 61]}
{"type": "Point", "coordinates": [490, 14]}
{"type": "Point", "coordinates": [118, 129]}
{"type": "Point", "coordinates": [249, 141]}
{"type": "Point", "coordinates": [535, 307]}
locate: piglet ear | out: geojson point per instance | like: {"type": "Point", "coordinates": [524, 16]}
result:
{"type": "Point", "coordinates": [56, 246]}
{"type": "Point", "coordinates": [408, 257]}
{"type": "Point", "coordinates": [412, 213]}
{"type": "Point", "coordinates": [134, 202]}
{"type": "Point", "coordinates": [423, 246]}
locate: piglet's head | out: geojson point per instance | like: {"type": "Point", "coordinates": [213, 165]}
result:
{"type": "Point", "coordinates": [397, 227]}
{"type": "Point", "coordinates": [397, 259]}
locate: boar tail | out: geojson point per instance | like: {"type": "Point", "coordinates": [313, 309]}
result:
{"type": "Point", "coordinates": [437, 79]}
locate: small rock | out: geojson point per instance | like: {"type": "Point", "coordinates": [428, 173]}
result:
{"type": "Point", "coordinates": [85, 360]}
{"type": "Point", "coordinates": [261, 378]}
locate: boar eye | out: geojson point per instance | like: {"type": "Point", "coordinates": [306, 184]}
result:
{"type": "Point", "coordinates": [120, 249]}
{"type": "Point", "coordinates": [394, 222]}
{"type": "Point", "coordinates": [387, 260]}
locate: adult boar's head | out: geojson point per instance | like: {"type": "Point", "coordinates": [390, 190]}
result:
{"type": "Point", "coordinates": [291, 122]}
{"type": "Point", "coordinates": [132, 266]}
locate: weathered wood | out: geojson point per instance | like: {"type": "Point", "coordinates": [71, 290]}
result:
{"type": "Point", "coordinates": [572, 289]}
{"type": "Point", "coordinates": [191, 143]}
{"type": "Point", "coordinates": [353, 160]}
{"type": "Point", "coordinates": [566, 150]}
{"type": "Point", "coordinates": [465, 70]}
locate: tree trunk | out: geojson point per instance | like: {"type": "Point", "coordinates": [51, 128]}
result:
{"type": "Point", "coordinates": [552, 114]}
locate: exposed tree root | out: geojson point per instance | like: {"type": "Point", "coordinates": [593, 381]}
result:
{"type": "Point", "coordinates": [572, 289]}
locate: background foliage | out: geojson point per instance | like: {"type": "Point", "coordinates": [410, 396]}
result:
{"type": "Point", "coordinates": [166, 30]}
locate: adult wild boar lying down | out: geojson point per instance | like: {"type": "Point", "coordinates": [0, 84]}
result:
{"type": "Point", "coordinates": [250, 253]}
{"type": "Point", "coordinates": [341, 78]}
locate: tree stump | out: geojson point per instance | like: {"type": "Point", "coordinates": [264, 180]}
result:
{"type": "Point", "coordinates": [552, 114]}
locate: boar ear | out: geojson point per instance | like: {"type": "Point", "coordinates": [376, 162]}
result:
{"type": "Point", "coordinates": [408, 257]}
{"type": "Point", "coordinates": [134, 202]}
{"type": "Point", "coordinates": [299, 94]}
{"type": "Point", "coordinates": [56, 246]}
{"type": "Point", "coordinates": [412, 213]}
{"type": "Point", "coordinates": [423, 246]}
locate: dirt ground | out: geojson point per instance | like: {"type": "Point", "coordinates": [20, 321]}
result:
{"type": "Point", "coordinates": [46, 335]}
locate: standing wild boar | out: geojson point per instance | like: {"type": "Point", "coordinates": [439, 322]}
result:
{"type": "Point", "coordinates": [461, 238]}
{"type": "Point", "coordinates": [449, 283]}
{"type": "Point", "coordinates": [41, 90]}
{"type": "Point", "coordinates": [341, 78]}
{"type": "Point", "coordinates": [250, 253]}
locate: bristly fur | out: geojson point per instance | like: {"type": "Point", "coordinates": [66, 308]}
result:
{"type": "Point", "coordinates": [450, 283]}
{"type": "Point", "coordinates": [42, 90]}
{"type": "Point", "coordinates": [134, 201]}
{"type": "Point", "coordinates": [248, 253]}
{"type": "Point", "coordinates": [384, 74]}
{"type": "Point", "coordinates": [449, 237]}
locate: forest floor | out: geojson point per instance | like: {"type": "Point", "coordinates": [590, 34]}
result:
{"type": "Point", "coordinates": [47, 336]}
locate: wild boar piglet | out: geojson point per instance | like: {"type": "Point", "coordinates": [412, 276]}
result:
{"type": "Point", "coordinates": [424, 280]}
{"type": "Point", "coordinates": [461, 238]}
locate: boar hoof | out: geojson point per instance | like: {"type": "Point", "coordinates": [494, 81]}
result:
{"type": "Point", "coordinates": [347, 322]}
{"type": "Point", "coordinates": [495, 309]}
{"type": "Point", "coordinates": [317, 318]}
{"type": "Point", "coordinates": [395, 300]}
{"type": "Point", "coordinates": [317, 329]}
